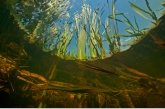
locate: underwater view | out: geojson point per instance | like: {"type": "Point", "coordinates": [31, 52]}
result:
{"type": "Point", "coordinates": [82, 53]}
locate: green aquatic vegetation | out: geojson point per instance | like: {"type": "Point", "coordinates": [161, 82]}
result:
{"type": "Point", "coordinates": [111, 30]}
{"type": "Point", "coordinates": [90, 39]}
{"type": "Point", "coordinates": [132, 30]}
{"type": "Point", "coordinates": [81, 35]}
{"type": "Point", "coordinates": [97, 38]}
{"type": "Point", "coordinates": [109, 38]}
{"type": "Point", "coordinates": [139, 10]}
{"type": "Point", "coordinates": [39, 20]}
{"type": "Point", "coordinates": [88, 33]}
{"type": "Point", "coordinates": [65, 40]}
{"type": "Point", "coordinates": [42, 28]}
{"type": "Point", "coordinates": [114, 25]}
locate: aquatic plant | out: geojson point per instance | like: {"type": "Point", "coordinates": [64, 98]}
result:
{"type": "Point", "coordinates": [88, 30]}
{"type": "Point", "coordinates": [90, 40]}
{"type": "Point", "coordinates": [134, 31]}
{"type": "Point", "coordinates": [41, 20]}
{"type": "Point", "coordinates": [138, 10]}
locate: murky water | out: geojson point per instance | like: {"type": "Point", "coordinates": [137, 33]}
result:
{"type": "Point", "coordinates": [84, 72]}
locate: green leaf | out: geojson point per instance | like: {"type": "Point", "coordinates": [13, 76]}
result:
{"type": "Point", "coordinates": [152, 12]}
{"type": "Point", "coordinates": [129, 31]}
{"type": "Point", "coordinates": [119, 13]}
{"type": "Point", "coordinates": [138, 9]}
{"type": "Point", "coordinates": [116, 19]}
{"type": "Point", "coordinates": [136, 23]}
{"type": "Point", "coordinates": [127, 22]}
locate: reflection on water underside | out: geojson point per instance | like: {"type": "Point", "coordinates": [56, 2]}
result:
{"type": "Point", "coordinates": [32, 78]}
